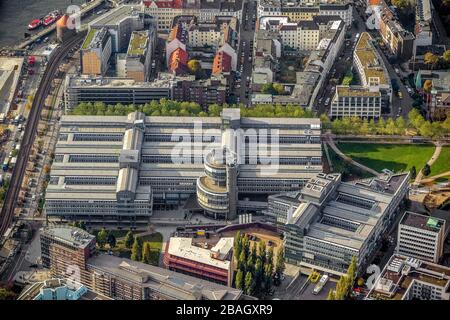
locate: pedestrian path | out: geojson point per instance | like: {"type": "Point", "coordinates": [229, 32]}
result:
{"type": "Point", "coordinates": [433, 158]}
{"type": "Point", "coordinates": [347, 158]}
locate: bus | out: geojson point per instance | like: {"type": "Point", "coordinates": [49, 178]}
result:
{"type": "Point", "coordinates": [319, 286]}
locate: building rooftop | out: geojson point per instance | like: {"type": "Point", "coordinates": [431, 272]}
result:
{"type": "Point", "coordinates": [371, 62]}
{"type": "Point", "coordinates": [117, 15]}
{"type": "Point", "coordinates": [356, 91]}
{"type": "Point", "coordinates": [71, 235]}
{"type": "Point", "coordinates": [350, 210]}
{"type": "Point", "coordinates": [421, 221]}
{"type": "Point", "coordinates": [183, 248]}
{"type": "Point", "coordinates": [172, 284]}
{"type": "Point", "coordinates": [401, 273]}
{"type": "Point", "coordinates": [138, 43]}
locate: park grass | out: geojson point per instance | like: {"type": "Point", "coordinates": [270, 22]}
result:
{"type": "Point", "coordinates": [349, 171]}
{"type": "Point", "coordinates": [395, 157]}
{"type": "Point", "coordinates": [442, 163]}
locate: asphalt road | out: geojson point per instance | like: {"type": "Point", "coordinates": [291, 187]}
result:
{"type": "Point", "coordinates": [398, 106]}
{"type": "Point", "coordinates": [245, 51]}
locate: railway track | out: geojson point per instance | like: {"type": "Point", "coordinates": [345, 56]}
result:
{"type": "Point", "coordinates": [7, 213]}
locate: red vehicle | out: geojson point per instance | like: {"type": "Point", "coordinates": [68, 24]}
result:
{"type": "Point", "coordinates": [36, 23]}
{"type": "Point", "coordinates": [31, 61]}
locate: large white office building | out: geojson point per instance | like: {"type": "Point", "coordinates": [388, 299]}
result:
{"type": "Point", "coordinates": [112, 170]}
{"type": "Point", "coordinates": [328, 222]}
{"type": "Point", "coordinates": [421, 236]}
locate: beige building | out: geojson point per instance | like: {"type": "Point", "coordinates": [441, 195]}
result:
{"type": "Point", "coordinates": [95, 52]}
{"type": "Point", "coordinates": [137, 60]}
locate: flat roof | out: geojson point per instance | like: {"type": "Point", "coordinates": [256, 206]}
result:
{"type": "Point", "coordinates": [421, 221]}
{"type": "Point", "coordinates": [400, 274]}
{"type": "Point", "coordinates": [183, 248]}
{"type": "Point", "coordinates": [170, 283]}
{"type": "Point", "coordinates": [138, 43]}
{"type": "Point", "coordinates": [72, 235]}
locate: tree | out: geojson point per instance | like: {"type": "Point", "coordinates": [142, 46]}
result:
{"type": "Point", "coordinates": [352, 269]}
{"type": "Point", "coordinates": [237, 246]}
{"type": "Point", "coordinates": [390, 127]}
{"type": "Point", "coordinates": [262, 251]}
{"type": "Point", "coordinates": [360, 282]}
{"type": "Point", "coordinates": [400, 125]}
{"type": "Point", "coordinates": [331, 295]}
{"type": "Point", "coordinates": [242, 262]}
{"type": "Point", "coordinates": [270, 257]}
{"type": "Point", "coordinates": [279, 88]}
{"type": "Point", "coordinates": [129, 239]}
{"type": "Point", "coordinates": [249, 285]}
{"type": "Point", "coordinates": [253, 253]}
{"type": "Point", "coordinates": [268, 271]}
{"type": "Point", "coordinates": [250, 264]}
{"type": "Point", "coordinates": [111, 240]}
{"type": "Point", "coordinates": [279, 265]}
{"type": "Point", "coordinates": [426, 129]}
{"type": "Point", "coordinates": [146, 253]}
{"type": "Point", "coordinates": [6, 294]}
{"type": "Point", "coordinates": [426, 170]}
{"type": "Point", "coordinates": [430, 59]}
{"type": "Point", "coordinates": [446, 56]}
{"type": "Point", "coordinates": [102, 236]}
{"type": "Point", "coordinates": [268, 88]}
{"type": "Point", "coordinates": [401, 4]}
{"type": "Point", "coordinates": [46, 169]}
{"type": "Point", "coordinates": [413, 172]}
{"type": "Point", "coordinates": [136, 250]}
{"type": "Point", "coordinates": [427, 85]}
{"type": "Point", "coordinates": [194, 66]}
{"type": "Point", "coordinates": [239, 281]}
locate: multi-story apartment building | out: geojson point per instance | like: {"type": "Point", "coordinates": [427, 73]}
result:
{"type": "Point", "coordinates": [114, 90]}
{"type": "Point", "coordinates": [328, 221]}
{"type": "Point", "coordinates": [301, 10]}
{"type": "Point", "coordinates": [437, 100]}
{"type": "Point", "coordinates": [331, 31]}
{"type": "Point", "coordinates": [203, 92]}
{"type": "Point", "coordinates": [423, 30]}
{"type": "Point", "coordinates": [59, 289]}
{"type": "Point", "coordinates": [214, 33]}
{"type": "Point", "coordinates": [65, 250]}
{"type": "Point", "coordinates": [164, 11]}
{"type": "Point", "coordinates": [421, 237]}
{"type": "Point", "coordinates": [213, 264]}
{"type": "Point", "coordinates": [95, 52]}
{"type": "Point", "coordinates": [117, 278]}
{"type": "Point", "coordinates": [124, 279]}
{"type": "Point", "coordinates": [398, 40]}
{"type": "Point", "coordinates": [406, 278]}
{"type": "Point", "coordinates": [108, 170]}
{"type": "Point", "coordinates": [357, 101]}
{"type": "Point", "coordinates": [137, 60]}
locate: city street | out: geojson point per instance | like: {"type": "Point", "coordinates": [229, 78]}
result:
{"type": "Point", "coordinates": [245, 50]}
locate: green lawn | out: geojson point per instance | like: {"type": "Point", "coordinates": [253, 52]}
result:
{"type": "Point", "coordinates": [442, 164]}
{"type": "Point", "coordinates": [155, 241]}
{"type": "Point", "coordinates": [395, 157]}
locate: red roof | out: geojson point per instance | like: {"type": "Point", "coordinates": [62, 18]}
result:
{"type": "Point", "coordinates": [174, 4]}
{"type": "Point", "coordinates": [222, 63]}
